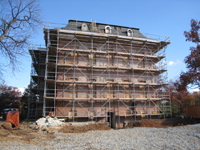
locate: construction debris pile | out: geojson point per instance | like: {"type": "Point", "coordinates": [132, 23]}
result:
{"type": "Point", "coordinates": [49, 122]}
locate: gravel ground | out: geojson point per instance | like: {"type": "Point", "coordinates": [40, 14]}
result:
{"type": "Point", "coordinates": [183, 137]}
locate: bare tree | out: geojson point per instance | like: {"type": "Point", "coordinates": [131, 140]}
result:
{"type": "Point", "coordinates": [19, 20]}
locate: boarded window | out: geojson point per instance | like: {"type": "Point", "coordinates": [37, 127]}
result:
{"type": "Point", "coordinates": [71, 89]}
{"type": "Point", "coordinates": [109, 92]}
{"type": "Point", "coordinates": [126, 90]}
{"type": "Point", "coordinates": [73, 59]}
{"type": "Point", "coordinates": [110, 60]}
{"type": "Point", "coordinates": [92, 60]}
{"type": "Point", "coordinates": [125, 61]}
{"type": "Point", "coordinates": [90, 95]}
{"type": "Point", "coordinates": [110, 89]}
{"type": "Point", "coordinates": [143, 94]}
{"type": "Point", "coordinates": [141, 63]}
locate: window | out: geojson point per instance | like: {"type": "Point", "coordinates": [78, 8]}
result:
{"type": "Point", "coordinates": [107, 29]}
{"type": "Point", "coordinates": [129, 32]}
{"type": "Point", "coordinates": [84, 27]}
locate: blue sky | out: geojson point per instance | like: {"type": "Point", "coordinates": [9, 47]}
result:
{"type": "Point", "coordinates": [160, 17]}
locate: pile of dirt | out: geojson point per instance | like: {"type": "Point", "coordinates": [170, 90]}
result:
{"type": "Point", "coordinates": [98, 127]}
{"type": "Point", "coordinates": [153, 123]}
{"type": "Point", "coordinates": [23, 135]}
{"type": "Point", "coordinates": [161, 123]}
{"type": "Point", "coordinates": [73, 129]}
{"type": "Point", "coordinates": [82, 128]}
{"type": "Point", "coordinates": [180, 122]}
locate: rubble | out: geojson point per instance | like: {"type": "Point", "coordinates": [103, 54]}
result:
{"type": "Point", "coordinates": [33, 126]}
{"type": "Point", "coordinates": [49, 122]}
{"type": "Point", "coordinates": [7, 125]}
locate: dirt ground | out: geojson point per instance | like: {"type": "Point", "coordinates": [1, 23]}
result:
{"type": "Point", "coordinates": [161, 123]}
{"type": "Point", "coordinates": [167, 123]}
{"type": "Point", "coordinates": [32, 134]}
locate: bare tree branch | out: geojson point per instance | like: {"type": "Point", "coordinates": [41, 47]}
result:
{"type": "Point", "coordinates": [18, 22]}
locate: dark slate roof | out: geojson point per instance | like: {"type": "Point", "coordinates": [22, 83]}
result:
{"type": "Point", "coordinates": [115, 29]}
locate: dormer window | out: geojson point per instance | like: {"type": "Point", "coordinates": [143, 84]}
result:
{"type": "Point", "coordinates": [130, 32]}
{"type": "Point", "coordinates": [84, 27]}
{"type": "Point", "coordinates": [107, 29]}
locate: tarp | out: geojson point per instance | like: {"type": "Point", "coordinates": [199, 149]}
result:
{"type": "Point", "coordinates": [13, 117]}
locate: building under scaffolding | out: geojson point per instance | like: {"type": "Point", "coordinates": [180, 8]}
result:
{"type": "Point", "coordinates": [92, 71]}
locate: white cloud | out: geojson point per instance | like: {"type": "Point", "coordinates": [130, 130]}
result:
{"type": "Point", "coordinates": [21, 90]}
{"type": "Point", "coordinates": [174, 63]}
{"type": "Point", "coordinates": [171, 63]}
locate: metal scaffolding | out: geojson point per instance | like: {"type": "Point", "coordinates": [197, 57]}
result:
{"type": "Point", "coordinates": [100, 76]}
